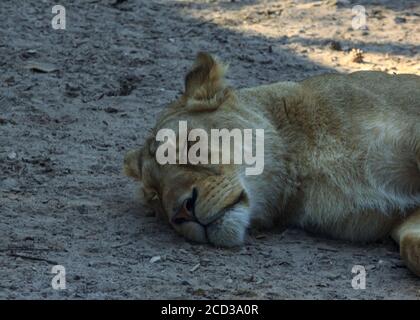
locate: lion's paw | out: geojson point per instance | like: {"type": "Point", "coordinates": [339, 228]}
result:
{"type": "Point", "coordinates": [410, 251]}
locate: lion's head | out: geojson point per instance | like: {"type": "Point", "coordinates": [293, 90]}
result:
{"type": "Point", "coordinates": [203, 202]}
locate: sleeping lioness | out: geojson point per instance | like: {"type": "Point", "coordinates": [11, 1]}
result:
{"type": "Point", "coordinates": [341, 158]}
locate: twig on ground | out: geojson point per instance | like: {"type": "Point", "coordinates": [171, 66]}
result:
{"type": "Point", "coordinates": [32, 258]}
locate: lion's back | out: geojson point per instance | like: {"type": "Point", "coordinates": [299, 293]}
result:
{"type": "Point", "coordinates": [363, 90]}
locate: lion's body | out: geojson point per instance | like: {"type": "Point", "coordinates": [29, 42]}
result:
{"type": "Point", "coordinates": [341, 157]}
{"type": "Point", "coordinates": [351, 143]}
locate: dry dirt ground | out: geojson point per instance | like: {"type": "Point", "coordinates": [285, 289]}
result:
{"type": "Point", "coordinates": [73, 101]}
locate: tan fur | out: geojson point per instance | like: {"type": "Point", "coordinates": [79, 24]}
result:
{"type": "Point", "coordinates": [407, 235]}
{"type": "Point", "coordinates": [342, 158]}
{"type": "Point", "coordinates": [131, 167]}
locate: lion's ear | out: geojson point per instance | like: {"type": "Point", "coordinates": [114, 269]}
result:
{"type": "Point", "coordinates": [132, 164]}
{"type": "Point", "coordinates": [206, 78]}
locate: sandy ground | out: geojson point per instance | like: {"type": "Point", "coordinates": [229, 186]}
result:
{"type": "Point", "coordinates": [73, 101]}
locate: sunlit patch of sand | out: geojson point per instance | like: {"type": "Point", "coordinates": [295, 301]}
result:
{"type": "Point", "coordinates": [307, 29]}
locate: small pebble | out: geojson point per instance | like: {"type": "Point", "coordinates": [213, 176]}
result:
{"type": "Point", "coordinates": [12, 155]}
{"type": "Point", "coordinates": [155, 259]}
{"type": "Point", "coordinates": [400, 20]}
{"type": "Point", "coordinates": [195, 267]}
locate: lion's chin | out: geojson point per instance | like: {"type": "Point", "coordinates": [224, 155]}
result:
{"type": "Point", "coordinates": [230, 229]}
{"type": "Point", "coordinates": [227, 231]}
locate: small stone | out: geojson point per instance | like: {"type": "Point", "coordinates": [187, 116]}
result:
{"type": "Point", "coordinates": [335, 45]}
{"type": "Point", "coordinates": [13, 196]}
{"type": "Point", "coordinates": [82, 209]}
{"type": "Point", "coordinates": [111, 110]}
{"type": "Point", "coordinates": [72, 90]}
{"type": "Point", "coordinates": [400, 20]}
{"type": "Point", "coordinates": [199, 292]}
{"type": "Point", "coordinates": [155, 259]}
{"type": "Point", "coordinates": [42, 67]}
{"type": "Point", "coordinates": [195, 267]}
{"type": "Point", "coordinates": [12, 155]}
{"type": "Point", "coordinates": [322, 285]}
{"type": "Point", "coordinates": [205, 262]}
{"type": "Point", "coordinates": [9, 184]}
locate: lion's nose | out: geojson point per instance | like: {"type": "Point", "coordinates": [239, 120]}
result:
{"type": "Point", "coordinates": [186, 211]}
